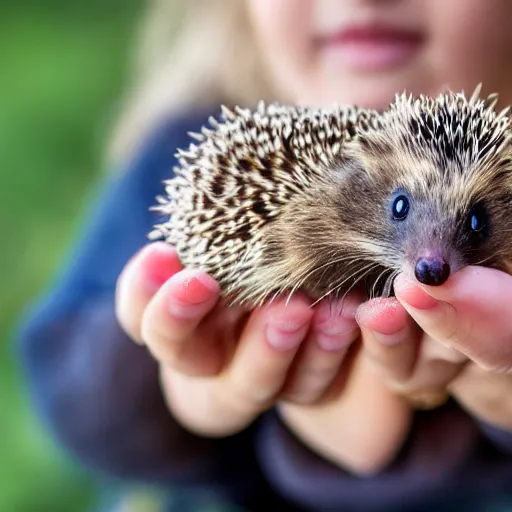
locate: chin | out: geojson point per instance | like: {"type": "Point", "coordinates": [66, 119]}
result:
{"type": "Point", "coordinates": [371, 91]}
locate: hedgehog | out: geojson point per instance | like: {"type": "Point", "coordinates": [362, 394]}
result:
{"type": "Point", "coordinates": [282, 199]}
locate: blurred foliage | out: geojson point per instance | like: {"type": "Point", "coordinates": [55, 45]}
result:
{"type": "Point", "coordinates": [63, 67]}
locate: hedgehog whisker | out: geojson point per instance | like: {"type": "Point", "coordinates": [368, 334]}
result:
{"type": "Point", "coordinates": [274, 297]}
{"type": "Point", "coordinates": [484, 260]}
{"type": "Point", "coordinates": [365, 270]}
{"type": "Point", "coordinates": [331, 263]}
{"type": "Point", "coordinates": [389, 283]}
{"type": "Point", "coordinates": [308, 273]}
{"type": "Point", "coordinates": [356, 282]}
{"type": "Point", "coordinates": [383, 273]}
{"type": "Point", "coordinates": [356, 270]}
{"type": "Point", "coordinates": [356, 267]}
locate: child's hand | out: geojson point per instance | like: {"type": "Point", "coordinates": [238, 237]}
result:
{"type": "Point", "coordinates": [220, 367]}
{"type": "Point", "coordinates": [461, 345]}
{"type": "Point", "coordinates": [360, 425]}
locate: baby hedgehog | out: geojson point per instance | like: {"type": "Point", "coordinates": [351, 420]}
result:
{"type": "Point", "coordinates": [321, 200]}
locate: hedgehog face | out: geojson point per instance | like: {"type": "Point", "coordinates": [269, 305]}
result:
{"type": "Point", "coordinates": [435, 239]}
{"type": "Point", "coordinates": [439, 232]}
{"type": "Point", "coordinates": [445, 167]}
{"type": "Point", "coordinates": [381, 216]}
{"type": "Point", "coordinates": [441, 214]}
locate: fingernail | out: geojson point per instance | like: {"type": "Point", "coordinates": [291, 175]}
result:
{"type": "Point", "coordinates": [384, 318]}
{"type": "Point", "coordinates": [286, 335]}
{"type": "Point", "coordinates": [410, 292]}
{"type": "Point", "coordinates": [336, 333]}
{"type": "Point", "coordinates": [191, 292]}
{"type": "Point", "coordinates": [156, 277]}
{"type": "Point", "coordinates": [161, 267]}
{"type": "Point", "coordinates": [196, 289]}
{"type": "Point", "coordinates": [340, 341]}
{"type": "Point", "coordinates": [389, 333]}
{"type": "Point", "coordinates": [334, 324]}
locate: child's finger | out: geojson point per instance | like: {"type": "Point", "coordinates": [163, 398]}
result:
{"type": "Point", "coordinates": [267, 347]}
{"type": "Point", "coordinates": [224, 404]}
{"type": "Point", "coordinates": [333, 330]}
{"type": "Point", "coordinates": [170, 321]}
{"type": "Point", "coordinates": [413, 364]}
{"type": "Point", "coordinates": [437, 318]}
{"type": "Point", "coordinates": [141, 278]}
{"type": "Point", "coordinates": [469, 313]}
{"type": "Point", "coordinates": [390, 338]}
{"type": "Point", "coordinates": [436, 367]}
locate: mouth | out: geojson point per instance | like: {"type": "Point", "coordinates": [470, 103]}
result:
{"type": "Point", "coordinates": [371, 47]}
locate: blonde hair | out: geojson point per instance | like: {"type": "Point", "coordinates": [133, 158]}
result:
{"type": "Point", "coordinates": [191, 55]}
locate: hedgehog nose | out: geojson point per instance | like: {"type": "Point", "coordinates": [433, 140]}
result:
{"type": "Point", "coordinates": [433, 271]}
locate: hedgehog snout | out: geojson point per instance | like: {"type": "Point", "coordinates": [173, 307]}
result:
{"type": "Point", "coordinates": [432, 270]}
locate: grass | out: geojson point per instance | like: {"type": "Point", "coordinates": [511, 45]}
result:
{"type": "Point", "coordinates": [63, 68]}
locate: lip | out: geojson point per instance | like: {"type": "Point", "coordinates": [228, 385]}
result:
{"type": "Point", "coordinates": [371, 47]}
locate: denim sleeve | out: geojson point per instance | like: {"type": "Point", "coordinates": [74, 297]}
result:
{"type": "Point", "coordinates": [96, 391]}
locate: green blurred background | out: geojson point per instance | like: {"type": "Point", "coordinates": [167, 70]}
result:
{"type": "Point", "coordinates": [63, 68]}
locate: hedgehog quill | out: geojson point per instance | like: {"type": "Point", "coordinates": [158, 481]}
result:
{"type": "Point", "coordinates": [284, 198]}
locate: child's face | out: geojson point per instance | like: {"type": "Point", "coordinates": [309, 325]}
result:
{"type": "Point", "coordinates": [364, 51]}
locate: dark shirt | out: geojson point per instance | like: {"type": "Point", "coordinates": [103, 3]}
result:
{"type": "Point", "coordinates": [98, 392]}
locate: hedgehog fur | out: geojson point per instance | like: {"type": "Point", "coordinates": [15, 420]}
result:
{"type": "Point", "coordinates": [287, 198]}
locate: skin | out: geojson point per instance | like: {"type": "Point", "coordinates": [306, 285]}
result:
{"type": "Point", "coordinates": [221, 368]}
{"type": "Point", "coordinates": [287, 32]}
{"type": "Point", "coordinates": [373, 363]}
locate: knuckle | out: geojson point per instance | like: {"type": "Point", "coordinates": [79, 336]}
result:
{"type": "Point", "coordinates": [200, 405]}
{"type": "Point", "coordinates": [447, 333]}
{"type": "Point", "coordinates": [159, 343]}
{"type": "Point", "coordinates": [401, 379]}
{"type": "Point", "coordinates": [397, 387]}
{"type": "Point", "coordinates": [450, 330]}
{"type": "Point", "coordinates": [420, 396]}
{"type": "Point", "coordinates": [310, 385]}
{"type": "Point", "coordinates": [259, 397]}
{"type": "Point", "coordinates": [314, 373]}
{"type": "Point", "coordinates": [404, 387]}
{"type": "Point", "coordinates": [300, 396]}
{"type": "Point", "coordinates": [393, 370]}
{"type": "Point", "coordinates": [375, 356]}
{"type": "Point", "coordinates": [252, 395]}
{"type": "Point", "coordinates": [498, 367]}
{"type": "Point", "coordinates": [206, 420]}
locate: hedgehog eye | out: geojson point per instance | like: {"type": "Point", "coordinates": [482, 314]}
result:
{"type": "Point", "coordinates": [477, 218]}
{"type": "Point", "coordinates": [400, 207]}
